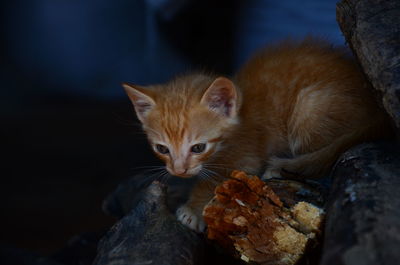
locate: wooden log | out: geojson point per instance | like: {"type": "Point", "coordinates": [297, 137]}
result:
{"type": "Point", "coordinates": [253, 221]}
{"type": "Point", "coordinates": [131, 191]}
{"type": "Point", "coordinates": [372, 29]}
{"type": "Point", "coordinates": [363, 213]}
{"type": "Point", "coordinates": [148, 231]}
{"type": "Point", "coordinates": [150, 234]}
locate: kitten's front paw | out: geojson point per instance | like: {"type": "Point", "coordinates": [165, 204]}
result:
{"type": "Point", "coordinates": [187, 216]}
{"type": "Point", "coordinates": [271, 173]}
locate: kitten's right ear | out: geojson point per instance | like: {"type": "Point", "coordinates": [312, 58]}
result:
{"type": "Point", "coordinates": [221, 96]}
{"type": "Point", "coordinates": [140, 98]}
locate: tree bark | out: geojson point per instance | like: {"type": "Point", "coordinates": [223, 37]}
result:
{"type": "Point", "coordinates": [363, 218]}
{"type": "Point", "coordinates": [372, 29]}
{"type": "Point", "coordinates": [150, 234]}
{"type": "Point", "coordinates": [363, 221]}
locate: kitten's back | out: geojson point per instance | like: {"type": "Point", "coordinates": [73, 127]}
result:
{"type": "Point", "coordinates": [307, 95]}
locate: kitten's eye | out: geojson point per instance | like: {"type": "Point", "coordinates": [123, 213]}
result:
{"type": "Point", "coordinates": [162, 149]}
{"type": "Point", "coordinates": [198, 148]}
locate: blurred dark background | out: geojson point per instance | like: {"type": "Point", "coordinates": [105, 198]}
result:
{"type": "Point", "coordinates": [68, 132]}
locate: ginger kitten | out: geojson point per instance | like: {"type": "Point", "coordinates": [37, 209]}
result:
{"type": "Point", "coordinates": [294, 107]}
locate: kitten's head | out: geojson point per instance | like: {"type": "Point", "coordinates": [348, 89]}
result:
{"type": "Point", "coordinates": [187, 119]}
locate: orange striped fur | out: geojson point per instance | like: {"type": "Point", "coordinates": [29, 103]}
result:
{"type": "Point", "coordinates": [293, 106]}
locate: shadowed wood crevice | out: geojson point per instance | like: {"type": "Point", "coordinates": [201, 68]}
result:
{"type": "Point", "coordinates": [363, 219]}
{"type": "Point", "coordinates": [372, 30]}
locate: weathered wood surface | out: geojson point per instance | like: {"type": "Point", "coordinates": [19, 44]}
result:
{"type": "Point", "coordinates": [150, 234]}
{"type": "Point", "coordinates": [363, 222]}
{"type": "Point", "coordinates": [130, 191]}
{"type": "Point", "coordinates": [372, 29]}
{"type": "Point", "coordinates": [363, 218]}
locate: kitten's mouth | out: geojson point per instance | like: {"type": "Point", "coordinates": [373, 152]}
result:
{"type": "Point", "coordinates": [182, 175]}
{"type": "Point", "coordinates": [186, 174]}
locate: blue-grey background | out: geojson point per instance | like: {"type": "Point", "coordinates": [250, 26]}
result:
{"type": "Point", "coordinates": [66, 125]}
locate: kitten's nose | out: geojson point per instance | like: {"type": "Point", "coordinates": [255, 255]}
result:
{"type": "Point", "coordinates": [180, 167]}
{"type": "Point", "coordinates": [181, 171]}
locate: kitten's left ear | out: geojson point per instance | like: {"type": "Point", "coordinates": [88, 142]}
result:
{"type": "Point", "coordinates": [221, 96]}
{"type": "Point", "coordinates": [141, 99]}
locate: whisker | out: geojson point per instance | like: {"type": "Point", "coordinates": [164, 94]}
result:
{"type": "Point", "coordinates": [211, 172]}
{"type": "Point", "coordinates": [215, 174]}
{"type": "Point", "coordinates": [215, 164]}
{"type": "Point", "coordinates": [163, 178]}
{"type": "Point", "coordinates": [209, 175]}
{"type": "Point", "coordinates": [209, 181]}
{"type": "Point", "coordinates": [147, 169]}
{"type": "Point", "coordinates": [219, 166]}
{"type": "Point", "coordinates": [148, 176]}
